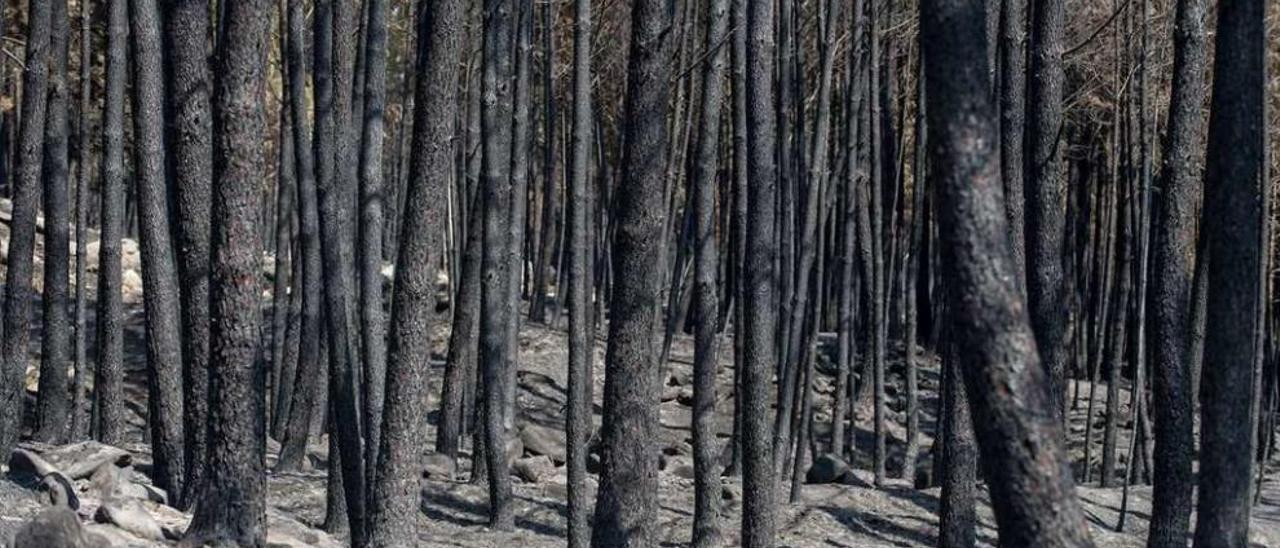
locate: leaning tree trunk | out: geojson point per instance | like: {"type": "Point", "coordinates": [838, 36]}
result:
{"type": "Point", "coordinates": [627, 503]}
{"type": "Point", "coordinates": [1019, 434]}
{"type": "Point", "coordinates": [760, 356]}
{"type": "Point", "coordinates": [233, 504]}
{"type": "Point", "coordinates": [186, 28]}
{"type": "Point", "coordinates": [159, 273]}
{"type": "Point", "coordinates": [396, 491]}
{"type": "Point", "coordinates": [1233, 223]}
{"type": "Point", "coordinates": [53, 406]}
{"type": "Point", "coordinates": [17, 290]}
{"type": "Point", "coordinates": [109, 416]}
{"type": "Point", "coordinates": [1174, 257]}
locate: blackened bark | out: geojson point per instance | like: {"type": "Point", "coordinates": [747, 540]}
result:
{"type": "Point", "coordinates": [396, 489]}
{"type": "Point", "coordinates": [109, 418]}
{"type": "Point", "coordinates": [498, 76]}
{"type": "Point", "coordinates": [1046, 194]}
{"type": "Point", "coordinates": [310, 365]}
{"type": "Point", "coordinates": [1174, 257]}
{"type": "Point", "coordinates": [627, 503]}
{"type": "Point", "coordinates": [186, 29]}
{"type": "Point", "coordinates": [957, 520]}
{"type": "Point", "coordinates": [550, 195]}
{"type": "Point", "coordinates": [79, 419]}
{"type": "Point", "coordinates": [460, 363]}
{"type": "Point", "coordinates": [1233, 223]}
{"type": "Point", "coordinates": [706, 507]}
{"type": "Point", "coordinates": [337, 183]}
{"type": "Point", "coordinates": [281, 376]}
{"type": "Point", "coordinates": [520, 143]}
{"type": "Point", "coordinates": [372, 203]}
{"type": "Point", "coordinates": [579, 422]}
{"type": "Point", "coordinates": [1018, 430]}
{"type": "Point", "coordinates": [159, 273]}
{"type": "Point", "coordinates": [760, 280]}
{"type": "Point", "coordinates": [18, 292]}
{"type": "Point", "coordinates": [1012, 68]}
{"type": "Point", "coordinates": [233, 504]}
{"type": "Point", "coordinates": [53, 406]}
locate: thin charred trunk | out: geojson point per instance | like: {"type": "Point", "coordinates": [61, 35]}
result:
{"type": "Point", "coordinates": [53, 406]}
{"type": "Point", "coordinates": [159, 272]}
{"type": "Point", "coordinates": [109, 416]}
{"type": "Point", "coordinates": [80, 423]}
{"type": "Point", "coordinates": [18, 291]}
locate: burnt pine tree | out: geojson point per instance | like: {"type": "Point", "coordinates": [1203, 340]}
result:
{"type": "Point", "coordinates": [372, 193]}
{"type": "Point", "coordinates": [497, 82]}
{"type": "Point", "coordinates": [109, 404]}
{"type": "Point", "coordinates": [760, 357]}
{"type": "Point", "coordinates": [54, 403]}
{"type": "Point", "coordinates": [1012, 87]}
{"type": "Point", "coordinates": [335, 29]}
{"type": "Point", "coordinates": [1233, 224]}
{"type": "Point", "coordinates": [1019, 433]}
{"type": "Point", "coordinates": [706, 518]}
{"type": "Point", "coordinates": [1046, 193]}
{"type": "Point", "coordinates": [578, 422]}
{"type": "Point", "coordinates": [305, 386]}
{"type": "Point", "coordinates": [187, 77]}
{"type": "Point", "coordinates": [25, 194]}
{"type": "Point", "coordinates": [1174, 256]}
{"type": "Point", "coordinates": [627, 503]}
{"type": "Point", "coordinates": [159, 274]}
{"type": "Point", "coordinates": [232, 507]}
{"type": "Point", "coordinates": [79, 420]}
{"type": "Point", "coordinates": [396, 491]}
{"type": "Point", "coordinates": [957, 517]}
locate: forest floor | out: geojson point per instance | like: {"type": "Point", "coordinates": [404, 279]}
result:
{"type": "Point", "coordinates": [848, 514]}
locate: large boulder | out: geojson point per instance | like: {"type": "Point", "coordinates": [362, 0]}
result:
{"type": "Point", "coordinates": [80, 460]}
{"type": "Point", "coordinates": [57, 527]}
{"type": "Point", "coordinates": [543, 440]}
{"type": "Point", "coordinates": [828, 468]}
{"type": "Point", "coordinates": [131, 516]}
{"type": "Point", "coordinates": [533, 469]}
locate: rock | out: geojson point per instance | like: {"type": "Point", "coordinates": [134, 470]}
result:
{"type": "Point", "coordinates": [670, 393]}
{"type": "Point", "coordinates": [22, 461]}
{"type": "Point", "coordinates": [130, 515]}
{"type": "Point", "coordinates": [60, 491]}
{"type": "Point", "coordinates": [543, 440]}
{"type": "Point", "coordinates": [533, 469]}
{"type": "Point", "coordinates": [142, 491]}
{"type": "Point", "coordinates": [515, 448]}
{"type": "Point", "coordinates": [56, 527]}
{"type": "Point", "coordinates": [685, 397]}
{"type": "Point", "coordinates": [80, 460]}
{"type": "Point", "coordinates": [106, 482]}
{"type": "Point", "coordinates": [439, 467]}
{"type": "Point", "coordinates": [924, 476]}
{"type": "Point", "coordinates": [828, 468]}
{"type": "Point", "coordinates": [680, 467]}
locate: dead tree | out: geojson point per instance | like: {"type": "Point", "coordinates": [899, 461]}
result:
{"type": "Point", "coordinates": [1019, 434]}
{"type": "Point", "coordinates": [627, 502]}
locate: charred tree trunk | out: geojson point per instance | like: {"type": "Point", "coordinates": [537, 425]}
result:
{"type": "Point", "coordinates": [53, 405]}
{"type": "Point", "coordinates": [186, 30]}
{"type": "Point", "coordinates": [396, 492]}
{"type": "Point", "coordinates": [1174, 257]}
{"type": "Point", "coordinates": [627, 502]}
{"type": "Point", "coordinates": [80, 423]}
{"type": "Point", "coordinates": [18, 292]}
{"type": "Point", "coordinates": [109, 416]}
{"type": "Point", "coordinates": [759, 347]}
{"type": "Point", "coordinates": [159, 271]}
{"type": "Point", "coordinates": [1233, 223]}
{"type": "Point", "coordinates": [233, 504]}
{"type": "Point", "coordinates": [579, 425]}
{"type": "Point", "coordinates": [1018, 430]}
